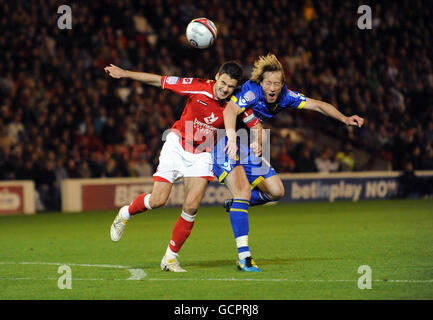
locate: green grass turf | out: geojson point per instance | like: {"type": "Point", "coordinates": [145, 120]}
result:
{"type": "Point", "coordinates": [305, 251]}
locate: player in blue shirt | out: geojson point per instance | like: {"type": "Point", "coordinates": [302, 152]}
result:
{"type": "Point", "coordinates": [259, 99]}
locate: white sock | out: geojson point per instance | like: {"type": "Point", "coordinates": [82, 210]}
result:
{"type": "Point", "coordinates": [147, 201]}
{"type": "Point", "coordinates": [170, 254]}
{"type": "Point", "coordinates": [244, 255]}
{"type": "Point", "coordinates": [242, 242]}
{"type": "Point", "coordinates": [125, 214]}
{"type": "Point", "coordinates": [187, 217]}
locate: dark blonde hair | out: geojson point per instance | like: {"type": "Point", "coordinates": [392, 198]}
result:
{"type": "Point", "coordinates": [268, 63]}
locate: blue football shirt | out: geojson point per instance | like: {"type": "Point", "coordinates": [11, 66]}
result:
{"type": "Point", "coordinates": [250, 95]}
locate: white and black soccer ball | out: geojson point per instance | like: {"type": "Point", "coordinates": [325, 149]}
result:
{"type": "Point", "coordinates": [201, 33]}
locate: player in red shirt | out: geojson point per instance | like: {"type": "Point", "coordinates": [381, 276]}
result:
{"type": "Point", "coordinates": [186, 152]}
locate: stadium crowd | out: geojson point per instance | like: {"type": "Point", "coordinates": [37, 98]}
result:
{"type": "Point", "coordinates": [61, 116]}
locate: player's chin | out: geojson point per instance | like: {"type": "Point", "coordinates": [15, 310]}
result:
{"type": "Point", "coordinates": [271, 98]}
{"type": "Point", "coordinates": [222, 96]}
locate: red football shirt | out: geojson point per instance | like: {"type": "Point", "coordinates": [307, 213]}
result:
{"type": "Point", "coordinates": [203, 113]}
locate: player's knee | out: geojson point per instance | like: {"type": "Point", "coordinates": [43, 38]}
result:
{"type": "Point", "coordinates": [243, 192]}
{"type": "Point", "coordinates": [157, 201]}
{"type": "Point", "coordinates": [278, 194]}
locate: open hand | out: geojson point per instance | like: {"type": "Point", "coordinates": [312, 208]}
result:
{"type": "Point", "coordinates": [231, 148]}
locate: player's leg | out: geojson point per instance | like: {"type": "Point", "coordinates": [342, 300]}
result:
{"type": "Point", "coordinates": [268, 190]}
{"type": "Point", "coordinates": [167, 173]}
{"type": "Point", "coordinates": [196, 169]}
{"type": "Point", "coordinates": [266, 185]}
{"type": "Point", "coordinates": [143, 202]}
{"type": "Point", "coordinates": [237, 182]}
{"type": "Point", "coordinates": [148, 201]}
{"type": "Point", "coordinates": [194, 191]}
{"type": "Point", "coordinates": [233, 175]}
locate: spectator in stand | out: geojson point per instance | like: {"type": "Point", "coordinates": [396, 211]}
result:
{"type": "Point", "coordinates": [72, 170]}
{"type": "Point", "coordinates": [346, 158]}
{"type": "Point", "coordinates": [285, 162]}
{"type": "Point", "coordinates": [60, 171]}
{"type": "Point", "coordinates": [427, 160]}
{"type": "Point", "coordinates": [142, 167]}
{"type": "Point", "coordinates": [52, 87]}
{"type": "Point", "coordinates": [326, 162]}
{"type": "Point", "coordinates": [45, 183]}
{"type": "Point", "coordinates": [305, 161]}
{"type": "Point", "coordinates": [111, 170]}
{"type": "Point", "coordinates": [84, 170]}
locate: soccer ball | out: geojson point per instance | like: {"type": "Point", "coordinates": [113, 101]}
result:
{"type": "Point", "coordinates": [201, 33]}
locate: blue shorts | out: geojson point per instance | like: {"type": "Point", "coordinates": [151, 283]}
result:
{"type": "Point", "coordinates": [256, 168]}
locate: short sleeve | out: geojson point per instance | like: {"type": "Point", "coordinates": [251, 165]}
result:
{"type": "Point", "coordinates": [181, 86]}
{"type": "Point", "coordinates": [245, 97]}
{"type": "Point", "coordinates": [293, 99]}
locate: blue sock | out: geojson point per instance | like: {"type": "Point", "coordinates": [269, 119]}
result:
{"type": "Point", "coordinates": [240, 226]}
{"type": "Point", "coordinates": [259, 197]}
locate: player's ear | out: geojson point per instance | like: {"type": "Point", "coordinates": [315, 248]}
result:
{"type": "Point", "coordinates": [217, 76]}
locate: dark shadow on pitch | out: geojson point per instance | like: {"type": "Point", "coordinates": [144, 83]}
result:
{"type": "Point", "coordinates": [259, 261]}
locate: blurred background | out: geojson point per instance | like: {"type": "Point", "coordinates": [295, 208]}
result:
{"type": "Point", "coordinates": [62, 117]}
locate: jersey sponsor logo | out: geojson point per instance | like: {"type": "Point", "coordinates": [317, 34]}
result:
{"type": "Point", "coordinates": [227, 166]}
{"type": "Point", "coordinates": [187, 80]}
{"type": "Point", "coordinates": [293, 94]}
{"type": "Point", "coordinates": [242, 102]}
{"type": "Point", "coordinates": [202, 102]}
{"type": "Point", "coordinates": [296, 95]}
{"type": "Point", "coordinates": [204, 128]}
{"type": "Point", "coordinates": [172, 80]}
{"type": "Point", "coordinates": [247, 98]}
{"type": "Point", "coordinates": [211, 119]}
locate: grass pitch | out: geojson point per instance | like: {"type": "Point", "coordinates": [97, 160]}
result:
{"type": "Point", "coordinates": [305, 251]}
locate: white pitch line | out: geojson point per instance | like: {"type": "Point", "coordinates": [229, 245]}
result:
{"type": "Point", "coordinates": [222, 279]}
{"type": "Point", "coordinates": [71, 264]}
{"type": "Point", "coordinates": [55, 279]}
{"type": "Point", "coordinates": [139, 274]}
{"type": "Point", "coordinates": [95, 265]}
{"type": "Point", "coordinates": [288, 280]}
{"type": "Point", "coordinates": [136, 273]}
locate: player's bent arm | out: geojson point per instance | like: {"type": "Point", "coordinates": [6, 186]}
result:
{"type": "Point", "coordinates": [147, 78]}
{"type": "Point", "coordinates": [231, 111]}
{"type": "Point", "coordinates": [259, 137]}
{"type": "Point", "coordinates": [330, 111]}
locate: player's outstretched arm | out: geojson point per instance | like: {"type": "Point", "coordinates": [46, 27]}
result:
{"type": "Point", "coordinates": [147, 78]}
{"type": "Point", "coordinates": [330, 111]}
